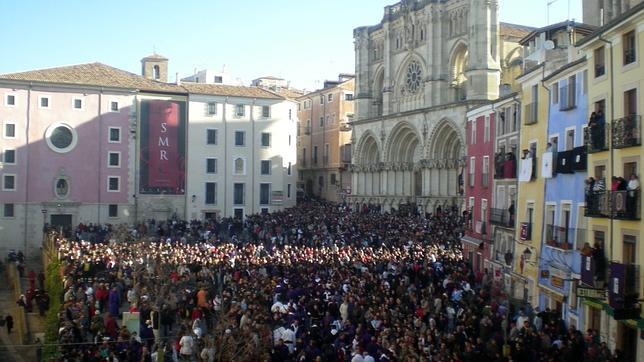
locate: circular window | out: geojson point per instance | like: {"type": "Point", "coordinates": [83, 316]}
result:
{"type": "Point", "coordinates": [61, 138]}
{"type": "Point", "coordinates": [414, 75]}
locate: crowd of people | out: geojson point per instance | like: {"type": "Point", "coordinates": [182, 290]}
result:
{"type": "Point", "coordinates": [318, 282]}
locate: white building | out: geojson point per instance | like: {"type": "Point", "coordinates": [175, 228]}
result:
{"type": "Point", "coordinates": [210, 76]}
{"type": "Point", "coordinates": [242, 153]}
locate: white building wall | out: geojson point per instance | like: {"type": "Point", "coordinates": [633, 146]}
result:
{"type": "Point", "coordinates": [226, 123]}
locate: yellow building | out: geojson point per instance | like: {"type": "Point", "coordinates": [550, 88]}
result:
{"type": "Point", "coordinates": [546, 50]}
{"type": "Point", "coordinates": [615, 85]}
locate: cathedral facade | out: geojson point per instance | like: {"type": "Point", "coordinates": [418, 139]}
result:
{"type": "Point", "coordinates": [417, 74]}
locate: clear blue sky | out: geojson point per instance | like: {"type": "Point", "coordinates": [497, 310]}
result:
{"type": "Point", "coordinates": [303, 41]}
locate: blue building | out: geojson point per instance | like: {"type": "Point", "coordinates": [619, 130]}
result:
{"type": "Point", "coordinates": [564, 167]}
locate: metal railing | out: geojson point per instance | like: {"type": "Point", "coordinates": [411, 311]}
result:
{"type": "Point", "coordinates": [600, 70]}
{"type": "Point", "coordinates": [501, 217]}
{"type": "Point", "coordinates": [307, 130]}
{"type": "Point", "coordinates": [626, 132]}
{"type": "Point", "coordinates": [596, 139]}
{"type": "Point", "coordinates": [559, 237]}
{"type": "Point", "coordinates": [530, 112]}
{"type": "Point", "coordinates": [623, 205]}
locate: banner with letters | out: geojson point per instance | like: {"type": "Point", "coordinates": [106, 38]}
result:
{"type": "Point", "coordinates": [162, 147]}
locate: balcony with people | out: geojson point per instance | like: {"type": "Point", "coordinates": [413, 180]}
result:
{"type": "Point", "coordinates": [625, 132]}
{"type": "Point", "coordinates": [622, 201]}
{"type": "Point", "coordinates": [505, 166]}
{"type": "Point", "coordinates": [503, 217]}
{"type": "Point", "coordinates": [596, 136]}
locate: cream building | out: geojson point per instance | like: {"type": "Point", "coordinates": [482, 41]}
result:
{"type": "Point", "coordinates": [417, 73]}
{"type": "Point", "coordinates": [242, 153]}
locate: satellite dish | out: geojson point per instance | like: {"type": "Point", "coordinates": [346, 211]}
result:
{"type": "Point", "coordinates": [549, 45]}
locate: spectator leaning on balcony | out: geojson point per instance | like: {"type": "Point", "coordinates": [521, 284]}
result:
{"type": "Point", "coordinates": [633, 188]}
{"type": "Point", "coordinates": [510, 166]}
{"type": "Point", "coordinates": [588, 192]}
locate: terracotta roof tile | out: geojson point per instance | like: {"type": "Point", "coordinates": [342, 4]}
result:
{"type": "Point", "coordinates": [514, 30]}
{"type": "Point", "coordinates": [228, 90]}
{"type": "Point", "coordinates": [93, 74]}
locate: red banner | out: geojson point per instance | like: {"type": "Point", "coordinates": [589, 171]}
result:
{"type": "Point", "coordinates": [164, 158]}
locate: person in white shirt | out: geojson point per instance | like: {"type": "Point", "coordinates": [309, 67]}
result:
{"type": "Point", "coordinates": [187, 343]}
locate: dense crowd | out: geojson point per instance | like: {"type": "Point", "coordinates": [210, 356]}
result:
{"type": "Point", "coordinates": [314, 283]}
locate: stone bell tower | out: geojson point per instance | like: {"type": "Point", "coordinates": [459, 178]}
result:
{"type": "Point", "coordinates": [155, 67]}
{"type": "Point", "coordinates": [484, 71]}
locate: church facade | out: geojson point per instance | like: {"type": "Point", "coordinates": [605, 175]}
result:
{"type": "Point", "coordinates": [418, 72]}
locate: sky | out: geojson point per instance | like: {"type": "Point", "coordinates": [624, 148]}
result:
{"type": "Point", "coordinates": [306, 41]}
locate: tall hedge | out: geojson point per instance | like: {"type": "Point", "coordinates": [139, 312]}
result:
{"type": "Point", "coordinates": [54, 286]}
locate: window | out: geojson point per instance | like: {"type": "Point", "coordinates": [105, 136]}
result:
{"type": "Point", "coordinates": [239, 110]}
{"type": "Point", "coordinates": [211, 165]}
{"type": "Point", "coordinates": [629, 249]}
{"type": "Point", "coordinates": [114, 106]}
{"type": "Point", "coordinates": [78, 103]}
{"type": "Point", "coordinates": [114, 135]}
{"type": "Point", "coordinates": [348, 97]}
{"type": "Point", "coordinates": [315, 154]}
{"type": "Point", "coordinates": [61, 137]}
{"type": "Point", "coordinates": [113, 183]}
{"type": "Point", "coordinates": [329, 98]}
{"type": "Point", "coordinates": [114, 159]}
{"type": "Point", "coordinates": [219, 79]}
{"type": "Point", "coordinates": [322, 99]}
{"type": "Point", "coordinates": [238, 193]}
{"type": "Point", "coordinates": [321, 121]}
{"type": "Point", "coordinates": [266, 111]}
{"type": "Point", "coordinates": [600, 62]}
{"type": "Point", "coordinates": [486, 167]}
{"type": "Point", "coordinates": [9, 210]}
{"type": "Point", "coordinates": [266, 139]}
{"type": "Point", "coordinates": [9, 156]}
{"type": "Point", "coordinates": [9, 182]}
{"type": "Point", "coordinates": [212, 108]}
{"type": "Point", "coordinates": [211, 136]}
{"type": "Point", "coordinates": [264, 210]}
{"type": "Point", "coordinates": [240, 138]}
{"type": "Point", "coordinates": [333, 179]}
{"type": "Point", "coordinates": [290, 113]}
{"type": "Point", "coordinates": [10, 100]}
{"type": "Point", "coordinates": [628, 41]}
{"type": "Point", "coordinates": [264, 194]}
{"type": "Point", "coordinates": [473, 135]}
{"type": "Point", "coordinates": [239, 166]}
{"type": "Point", "coordinates": [288, 170]}
{"type": "Point", "coordinates": [486, 133]}
{"type": "Point", "coordinates": [265, 167]}
{"type": "Point", "coordinates": [326, 153]}
{"type": "Point", "coordinates": [584, 82]}
{"type": "Point", "coordinates": [472, 168]}
{"type": "Point", "coordinates": [211, 193]}
{"type": "Point", "coordinates": [288, 191]}
{"type": "Point", "coordinates": [156, 72]}
{"type": "Point", "coordinates": [113, 210]}
{"type": "Point", "coordinates": [44, 102]}
{"type": "Point", "coordinates": [630, 102]}
{"type": "Point", "coordinates": [289, 140]}
{"type": "Point", "coordinates": [569, 94]}
{"type": "Point", "coordinates": [9, 130]}
{"type": "Point", "coordinates": [555, 93]}
{"type": "Point", "coordinates": [570, 139]}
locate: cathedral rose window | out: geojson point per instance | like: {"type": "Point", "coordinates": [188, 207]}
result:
{"type": "Point", "coordinates": [414, 75]}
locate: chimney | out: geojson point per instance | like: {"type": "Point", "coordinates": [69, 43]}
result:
{"type": "Point", "coordinates": [178, 81]}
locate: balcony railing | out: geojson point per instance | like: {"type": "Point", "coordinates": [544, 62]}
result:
{"type": "Point", "coordinates": [530, 112]}
{"type": "Point", "coordinates": [307, 130]}
{"type": "Point", "coordinates": [559, 237]}
{"type": "Point", "coordinates": [596, 139]}
{"type": "Point", "coordinates": [626, 132]}
{"type": "Point", "coordinates": [623, 205]}
{"type": "Point", "coordinates": [501, 217]}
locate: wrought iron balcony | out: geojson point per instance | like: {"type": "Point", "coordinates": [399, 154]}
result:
{"type": "Point", "coordinates": [307, 130]}
{"type": "Point", "coordinates": [562, 237]}
{"type": "Point", "coordinates": [626, 132]}
{"type": "Point", "coordinates": [505, 169]}
{"type": "Point", "coordinates": [600, 70]}
{"type": "Point", "coordinates": [622, 205]}
{"type": "Point", "coordinates": [531, 112]}
{"type": "Point", "coordinates": [596, 139]}
{"type": "Point", "coordinates": [501, 217]}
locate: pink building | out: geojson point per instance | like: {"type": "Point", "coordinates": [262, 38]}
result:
{"type": "Point", "coordinates": [479, 184]}
{"type": "Point", "coordinates": [69, 150]}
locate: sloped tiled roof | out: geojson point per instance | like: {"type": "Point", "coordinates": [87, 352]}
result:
{"type": "Point", "coordinates": [155, 56]}
{"type": "Point", "coordinates": [228, 90]}
{"type": "Point", "coordinates": [514, 30]}
{"type": "Point", "coordinates": [93, 74]}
